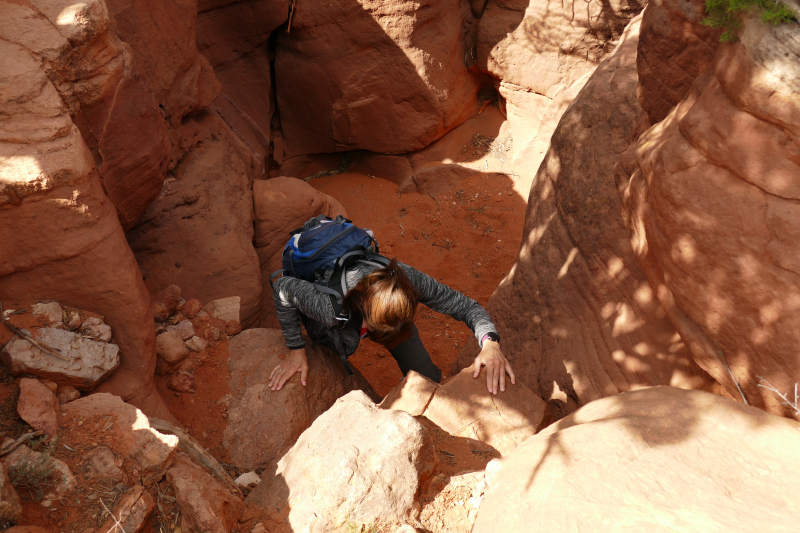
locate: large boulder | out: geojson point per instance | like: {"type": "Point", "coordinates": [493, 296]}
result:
{"type": "Point", "coordinates": [95, 75]}
{"type": "Point", "coordinates": [541, 54]}
{"type": "Point", "coordinates": [577, 316]}
{"type": "Point", "coordinates": [389, 77]}
{"type": "Point", "coordinates": [713, 202]}
{"type": "Point", "coordinates": [658, 459]}
{"type": "Point", "coordinates": [263, 424]}
{"type": "Point", "coordinates": [369, 462]}
{"type": "Point", "coordinates": [198, 233]}
{"type": "Point", "coordinates": [281, 206]}
{"type": "Point", "coordinates": [60, 233]}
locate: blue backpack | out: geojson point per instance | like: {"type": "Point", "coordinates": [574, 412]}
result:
{"type": "Point", "coordinates": [321, 251]}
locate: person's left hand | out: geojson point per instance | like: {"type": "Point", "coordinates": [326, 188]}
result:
{"type": "Point", "coordinates": [496, 366]}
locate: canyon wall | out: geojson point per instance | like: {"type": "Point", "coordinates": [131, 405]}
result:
{"type": "Point", "coordinates": [713, 204]}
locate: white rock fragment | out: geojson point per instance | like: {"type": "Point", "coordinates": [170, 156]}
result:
{"type": "Point", "coordinates": [226, 309]}
{"type": "Point", "coordinates": [88, 362]}
{"type": "Point", "coordinates": [96, 329]}
{"type": "Point", "coordinates": [171, 348]}
{"type": "Point", "coordinates": [248, 479]}
{"type": "Point", "coordinates": [196, 344]}
{"type": "Point", "coordinates": [184, 329]}
{"type": "Point", "coordinates": [52, 310]}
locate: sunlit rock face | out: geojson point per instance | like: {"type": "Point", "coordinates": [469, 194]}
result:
{"type": "Point", "coordinates": [61, 236]}
{"type": "Point", "coordinates": [576, 314]}
{"type": "Point", "coordinates": [541, 53]}
{"type": "Point", "coordinates": [715, 215]}
{"type": "Point", "coordinates": [388, 77]}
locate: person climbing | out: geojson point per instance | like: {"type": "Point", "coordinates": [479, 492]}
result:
{"type": "Point", "coordinates": [379, 300]}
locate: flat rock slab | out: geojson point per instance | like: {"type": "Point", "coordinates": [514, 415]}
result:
{"type": "Point", "coordinates": [226, 309]}
{"type": "Point", "coordinates": [90, 362]}
{"type": "Point", "coordinates": [412, 394]}
{"type": "Point", "coordinates": [38, 406]}
{"type": "Point", "coordinates": [205, 504]}
{"type": "Point", "coordinates": [132, 435]}
{"type": "Point", "coordinates": [464, 408]}
{"type": "Point", "coordinates": [658, 459]}
{"type": "Point", "coordinates": [357, 464]}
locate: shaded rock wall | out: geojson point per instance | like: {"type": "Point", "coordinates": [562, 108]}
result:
{"type": "Point", "coordinates": [388, 77]}
{"type": "Point", "coordinates": [60, 232]}
{"type": "Point", "coordinates": [713, 202]}
{"type": "Point", "coordinates": [198, 234]}
{"type": "Point", "coordinates": [577, 316]}
{"type": "Point", "coordinates": [233, 36]}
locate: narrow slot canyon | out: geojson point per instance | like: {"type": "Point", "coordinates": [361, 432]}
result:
{"type": "Point", "coordinates": [601, 200]}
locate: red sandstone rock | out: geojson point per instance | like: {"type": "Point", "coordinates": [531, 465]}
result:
{"type": "Point", "coordinates": [205, 504]}
{"type": "Point", "coordinates": [10, 504]}
{"type": "Point", "coordinates": [182, 381]}
{"type": "Point", "coordinates": [386, 91]}
{"type": "Point", "coordinates": [713, 205]}
{"type": "Point", "coordinates": [171, 351]}
{"type": "Point", "coordinates": [161, 34]}
{"type": "Point", "coordinates": [101, 463]}
{"type": "Point", "coordinates": [198, 234]}
{"type": "Point", "coordinates": [263, 424]}
{"type": "Point", "coordinates": [67, 394]}
{"type": "Point", "coordinates": [577, 316]}
{"type": "Point", "coordinates": [26, 529]}
{"type": "Point", "coordinates": [658, 459]}
{"type": "Point", "coordinates": [38, 406]}
{"type": "Point", "coordinates": [192, 307]}
{"type": "Point", "coordinates": [412, 395]}
{"type": "Point", "coordinates": [281, 206]}
{"type": "Point", "coordinates": [60, 232]}
{"type": "Point", "coordinates": [165, 302]}
{"type": "Point", "coordinates": [98, 81]}
{"type": "Point", "coordinates": [132, 511]}
{"type": "Point", "coordinates": [674, 49]}
{"type": "Point", "coordinates": [233, 327]}
{"type": "Point", "coordinates": [368, 478]}
{"type": "Point", "coordinates": [133, 436]}
{"type": "Point", "coordinates": [541, 54]}
{"type": "Point", "coordinates": [233, 35]}
{"type": "Point", "coordinates": [464, 408]}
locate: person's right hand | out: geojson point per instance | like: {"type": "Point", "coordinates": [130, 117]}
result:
{"type": "Point", "coordinates": [295, 362]}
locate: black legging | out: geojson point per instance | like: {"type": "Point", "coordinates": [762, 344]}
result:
{"type": "Point", "coordinates": [412, 355]}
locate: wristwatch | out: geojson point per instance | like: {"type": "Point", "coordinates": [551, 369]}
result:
{"type": "Point", "coordinates": [492, 336]}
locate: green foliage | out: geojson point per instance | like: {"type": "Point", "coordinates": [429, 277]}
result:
{"type": "Point", "coordinates": [726, 14]}
{"type": "Point", "coordinates": [35, 476]}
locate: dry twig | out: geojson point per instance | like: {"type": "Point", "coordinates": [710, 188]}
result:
{"type": "Point", "coordinates": [795, 405]}
{"type": "Point", "coordinates": [724, 362]}
{"type": "Point", "coordinates": [435, 200]}
{"type": "Point", "coordinates": [195, 450]}
{"type": "Point", "coordinates": [55, 352]}
{"type": "Point", "coordinates": [5, 450]}
{"type": "Point", "coordinates": [118, 523]}
{"type": "Point", "coordinates": [289, 28]}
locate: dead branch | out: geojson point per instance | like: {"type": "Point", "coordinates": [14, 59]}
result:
{"type": "Point", "coordinates": [5, 450]}
{"type": "Point", "coordinates": [118, 523]}
{"type": "Point", "coordinates": [289, 28]}
{"type": "Point", "coordinates": [770, 387]}
{"type": "Point", "coordinates": [195, 450]}
{"type": "Point", "coordinates": [46, 348]}
{"type": "Point", "coordinates": [724, 362]}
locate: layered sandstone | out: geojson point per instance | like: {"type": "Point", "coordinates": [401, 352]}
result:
{"type": "Point", "coordinates": [578, 318]}
{"type": "Point", "coordinates": [713, 202]}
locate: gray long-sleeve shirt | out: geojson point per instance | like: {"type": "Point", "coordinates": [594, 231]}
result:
{"type": "Point", "coordinates": [294, 297]}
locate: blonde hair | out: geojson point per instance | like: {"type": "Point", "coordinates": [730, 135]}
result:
{"type": "Point", "coordinates": [387, 300]}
